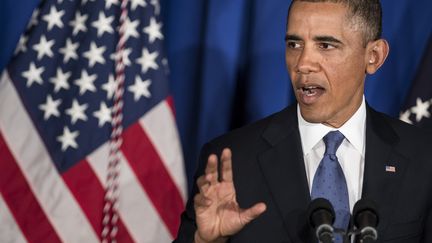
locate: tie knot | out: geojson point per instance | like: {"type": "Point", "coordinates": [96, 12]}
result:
{"type": "Point", "coordinates": [332, 141]}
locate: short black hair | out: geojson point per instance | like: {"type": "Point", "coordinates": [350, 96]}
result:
{"type": "Point", "coordinates": [367, 13]}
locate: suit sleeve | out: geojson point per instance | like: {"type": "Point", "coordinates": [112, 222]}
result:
{"type": "Point", "coordinates": [188, 224]}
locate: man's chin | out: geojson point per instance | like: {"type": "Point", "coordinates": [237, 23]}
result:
{"type": "Point", "coordinates": [310, 115]}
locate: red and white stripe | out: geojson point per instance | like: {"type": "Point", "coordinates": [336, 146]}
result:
{"type": "Point", "coordinates": [10, 232]}
{"type": "Point", "coordinates": [38, 204]}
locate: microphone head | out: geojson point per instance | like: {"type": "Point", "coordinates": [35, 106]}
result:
{"type": "Point", "coordinates": [365, 214]}
{"type": "Point", "coordinates": [320, 211]}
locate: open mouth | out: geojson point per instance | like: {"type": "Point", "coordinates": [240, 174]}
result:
{"type": "Point", "coordinates": [309, 94]}
{"type": "Point", "coordinates": [311, 90]}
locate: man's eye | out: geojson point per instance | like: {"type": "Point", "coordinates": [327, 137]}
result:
{"type": "Point", "coordinates": [293, 45]}
{"type": "Point", "coordinates": [326, 46]}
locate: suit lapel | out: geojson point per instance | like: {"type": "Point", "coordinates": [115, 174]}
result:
{"type": "Point", "coordinates": [283, 168]}
{"type": "Point", "coordinates": [380, 184]}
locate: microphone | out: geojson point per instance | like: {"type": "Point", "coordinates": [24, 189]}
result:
{"type": "Point", "coordinates": [366, 220]}
{"type": "Point", "coordinates": [321, 217]}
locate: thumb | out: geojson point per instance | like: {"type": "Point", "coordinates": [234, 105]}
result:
{"type": "Point", "coordinates": [253, 212]}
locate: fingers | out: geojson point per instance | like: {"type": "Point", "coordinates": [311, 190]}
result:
{"type": "Point", "coordinates": [210, 177]}
{"type": "Point", "coordinates": [203, 184]}
{"type": "Point", "coordinates": [253, 212]}
{"type": "Point", "coordinates": [226, 167]}
{"type": "Point", "coordinates": [211, 170]}
{"type": "Point", "coordinates": [202, 199]}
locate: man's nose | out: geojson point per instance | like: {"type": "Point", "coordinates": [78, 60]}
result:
{"type": "Point", "coordinates": [308, 61]}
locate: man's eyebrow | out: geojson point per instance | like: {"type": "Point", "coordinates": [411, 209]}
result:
{"type": "Point", "coordinates": [292, 38]}
{"type": "Point", "coordinates": [325, 38]}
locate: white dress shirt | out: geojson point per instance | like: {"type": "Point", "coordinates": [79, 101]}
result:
{"type": "Point", "coordinates": [351, 153]}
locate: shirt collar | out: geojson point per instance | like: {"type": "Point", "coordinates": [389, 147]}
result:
{"type": "Point", "coordinates": [353, 130]}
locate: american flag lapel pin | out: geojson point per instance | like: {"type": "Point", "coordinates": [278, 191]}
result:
{"type": "Point", "coordinates": [391, 169]}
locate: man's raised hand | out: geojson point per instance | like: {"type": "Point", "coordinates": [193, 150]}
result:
{"type": "Point", "coordinates": [218, 214]}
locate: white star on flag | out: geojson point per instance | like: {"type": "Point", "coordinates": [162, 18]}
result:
{"type": "Point", "coordinates": [67, 139]}
{"type": "Point", "coordinates": [77, 111]}
{"type": "Point", "coordinates": [421, 109]}
{"type": "Point", "coordinates": [60, 81]}
{"type": "Point", "coordinates": [110, 86]}
{"type": "Point", "coordinates": [140, 88]}
{"type": "Point", "coordinates": [43, 48]}
{"type": "Point", "coordinates": [95, 54]}
{"type": "Point", "coordinates": [103, 24]}
{"type": "Point", "coordinates": [85, 82]}
{"type": "Point", "coordinates": [153, 30]}
{"type": "Point", "coordinates": [33, 74]}
{"type": "Point", "coordinates": [50, 108]}
{"type": "Point", "coordinates": [69, 51]}
{"type": "Point", "coordinates": [148, 60]}
{"type": "Point", "coordinates": [103, 114]}
{"type": "Point", "coordinates": [54, 18]}
{"type": "Point", "coordinates": [131, 29]}
{"type": "Point", "coordinates": [78, 23]}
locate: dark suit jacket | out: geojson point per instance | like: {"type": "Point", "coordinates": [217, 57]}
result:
{"type": "Point", "coordinates": [268, 167]}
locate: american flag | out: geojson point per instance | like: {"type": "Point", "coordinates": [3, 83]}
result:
{"type": "Point", "coordinates": [56, 99]}
{"type": "Point", "coordinates": [390, 168]}
{"type": "Point", "coordinates": [418, 105]}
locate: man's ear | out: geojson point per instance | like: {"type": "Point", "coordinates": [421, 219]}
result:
{"type": "Point", "coordinates": [376, 53]}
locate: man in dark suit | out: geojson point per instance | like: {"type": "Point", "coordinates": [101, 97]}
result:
{"type": "Point", "coordinates": [270, 170]}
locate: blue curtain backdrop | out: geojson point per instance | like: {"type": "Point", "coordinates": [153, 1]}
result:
{"type": "Point", "coordinates": [227, 60]}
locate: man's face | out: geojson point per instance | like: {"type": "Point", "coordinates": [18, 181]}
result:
{"type": "Point", "coordinates": [326, 60]}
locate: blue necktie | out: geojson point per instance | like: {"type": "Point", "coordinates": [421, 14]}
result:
{"type": "Point", "coordinates": [329, 181]}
